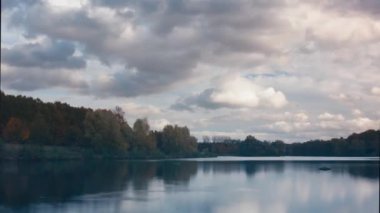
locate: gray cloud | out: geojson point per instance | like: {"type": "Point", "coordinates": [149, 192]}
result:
{"type": "Point", "coordinates": [128, 84]}
{"type": "Point", "coordinates": [9, 4]}
{"type": "Point", "coordinates": [29, 79]}
{"type": "Point", "coordinates": [144, 6]}
{"type": "Point", "coordinates": [74, 25]}
{"type": "Point", "coordinates": [149, 72]}
{"type": "Point", "coordinates": [366, 7]}
{"type": "Point", "coordinates": [48, 55]}
{"type": "Point", "coordinates": [202, 99]}
{"type": "Point", "coordinates": [168, 38]}
{"type": "Point", "coordinates": [164, 46]}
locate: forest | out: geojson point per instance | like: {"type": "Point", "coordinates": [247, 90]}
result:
{"type": "Point", "coordinates": [362, 144]}
{"type": "Point", "coordinates": [32, 129]}
{"type": "Point", "coordinates": [41, 127]}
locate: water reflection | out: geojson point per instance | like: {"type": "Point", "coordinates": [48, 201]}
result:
{"type": "Point", "coordinates": [59, 181]}
{"type": "Point", "coordinates": [189, 186]}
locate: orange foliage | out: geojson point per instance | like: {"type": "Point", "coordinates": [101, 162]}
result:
{"type": "Point", "coordinates": [25, 133]}
{"type": "Point", "coordinates": [16, 130]}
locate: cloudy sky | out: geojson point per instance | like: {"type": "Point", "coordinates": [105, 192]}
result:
{"type": "Point", "coordinates": [281, 69]}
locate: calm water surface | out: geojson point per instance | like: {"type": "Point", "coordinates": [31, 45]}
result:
{"type": "Point", "coordinates": [218, 185]}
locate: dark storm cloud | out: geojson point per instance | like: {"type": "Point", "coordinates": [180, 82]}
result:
{"type": "Point", "coordinates": [49, 55]}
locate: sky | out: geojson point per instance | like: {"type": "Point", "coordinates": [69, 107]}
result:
{"type": "Point", "coordinates": [282, 69]}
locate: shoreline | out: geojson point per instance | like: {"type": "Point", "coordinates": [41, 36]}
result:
{"type": "Point", "coordinates": [19, 152]}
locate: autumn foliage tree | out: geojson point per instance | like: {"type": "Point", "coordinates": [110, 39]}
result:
{"type": "Point", "coordinates": [16, 131]}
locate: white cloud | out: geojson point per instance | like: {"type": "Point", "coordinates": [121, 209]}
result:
{"type": "Point", "coordinates": [357, 112]}
{"type": "Point", "coordinates": [64, 4]}
{"type": "Point", "coordinates": [340, 96]}
{"type": "Point", "coordinates": [241, 92]}
{"type": "Point", "coordinates": [333, 117]}
{"type": "Point", "coordinates": [331, 121]}
{"type": "Point", "coordinates": [329, 125]}
{"type": "Point", "coordinates": [283, 126]}
{"type": "Point", "coordinates": [301, 117]}
{"type": "Point", "coordinates": [138, 110]}
{"type": "Point", "coordinates": [158, 124]}
{"type": "Point", "coordinates": [291, 122]}
{"type": "Point", "coordinates": [235, 91]}
{"type": "Point", "coordinates": [364, 123]}
{"type": "Point", "coordinates": [375, 91]}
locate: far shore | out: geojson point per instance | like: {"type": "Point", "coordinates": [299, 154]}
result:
{"type": "Point", "coordinates": [19, 152]}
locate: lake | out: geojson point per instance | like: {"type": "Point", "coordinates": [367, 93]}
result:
{"type": "Point", "coordinates": [217, 185]}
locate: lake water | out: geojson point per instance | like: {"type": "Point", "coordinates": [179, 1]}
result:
{"type": "Point", "coordinates": [217, 185]}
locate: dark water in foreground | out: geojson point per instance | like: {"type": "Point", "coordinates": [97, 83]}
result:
{"type": "Point", "coordinates": [221, 185]}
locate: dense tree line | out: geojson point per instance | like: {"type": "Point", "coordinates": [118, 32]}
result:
{"type": "Point", "coordinates": [26, 120]}
{"type": "Point", "coordinates": [363, 144]}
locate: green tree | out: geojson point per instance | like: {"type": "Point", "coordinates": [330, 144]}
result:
{"type": "Point", "coordinates": [143, 139]}
{"type": "Point", "coordinates": [40, 130]}
{"type": "Point", "coordinates": [177, 140]}
{"type": "Point", "coordinates": [104, 130]}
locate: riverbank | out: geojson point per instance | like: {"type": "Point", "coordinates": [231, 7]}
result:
{"type": "Point", "coordinates": [18, 152]}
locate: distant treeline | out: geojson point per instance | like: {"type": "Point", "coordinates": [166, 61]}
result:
{"type": "Point", "coordinates": [363, 144]}
{"type": "Point", "coordinates": [28, 122]}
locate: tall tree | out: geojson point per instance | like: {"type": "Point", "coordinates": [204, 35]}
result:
{"type": "Point", "coordinates": [103, 129]}
{"type": "Point", "coordinates": [16, 130]}
{"type": "Point", "coordinates": [177, 140]}
{"type": "Point", "coordinates": [144, 140]}
{"type": "Point", "coordinates": [40, 131]}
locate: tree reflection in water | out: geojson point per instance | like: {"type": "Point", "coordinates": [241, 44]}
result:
{"type": "Point", "coordinates": [58, 182]}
